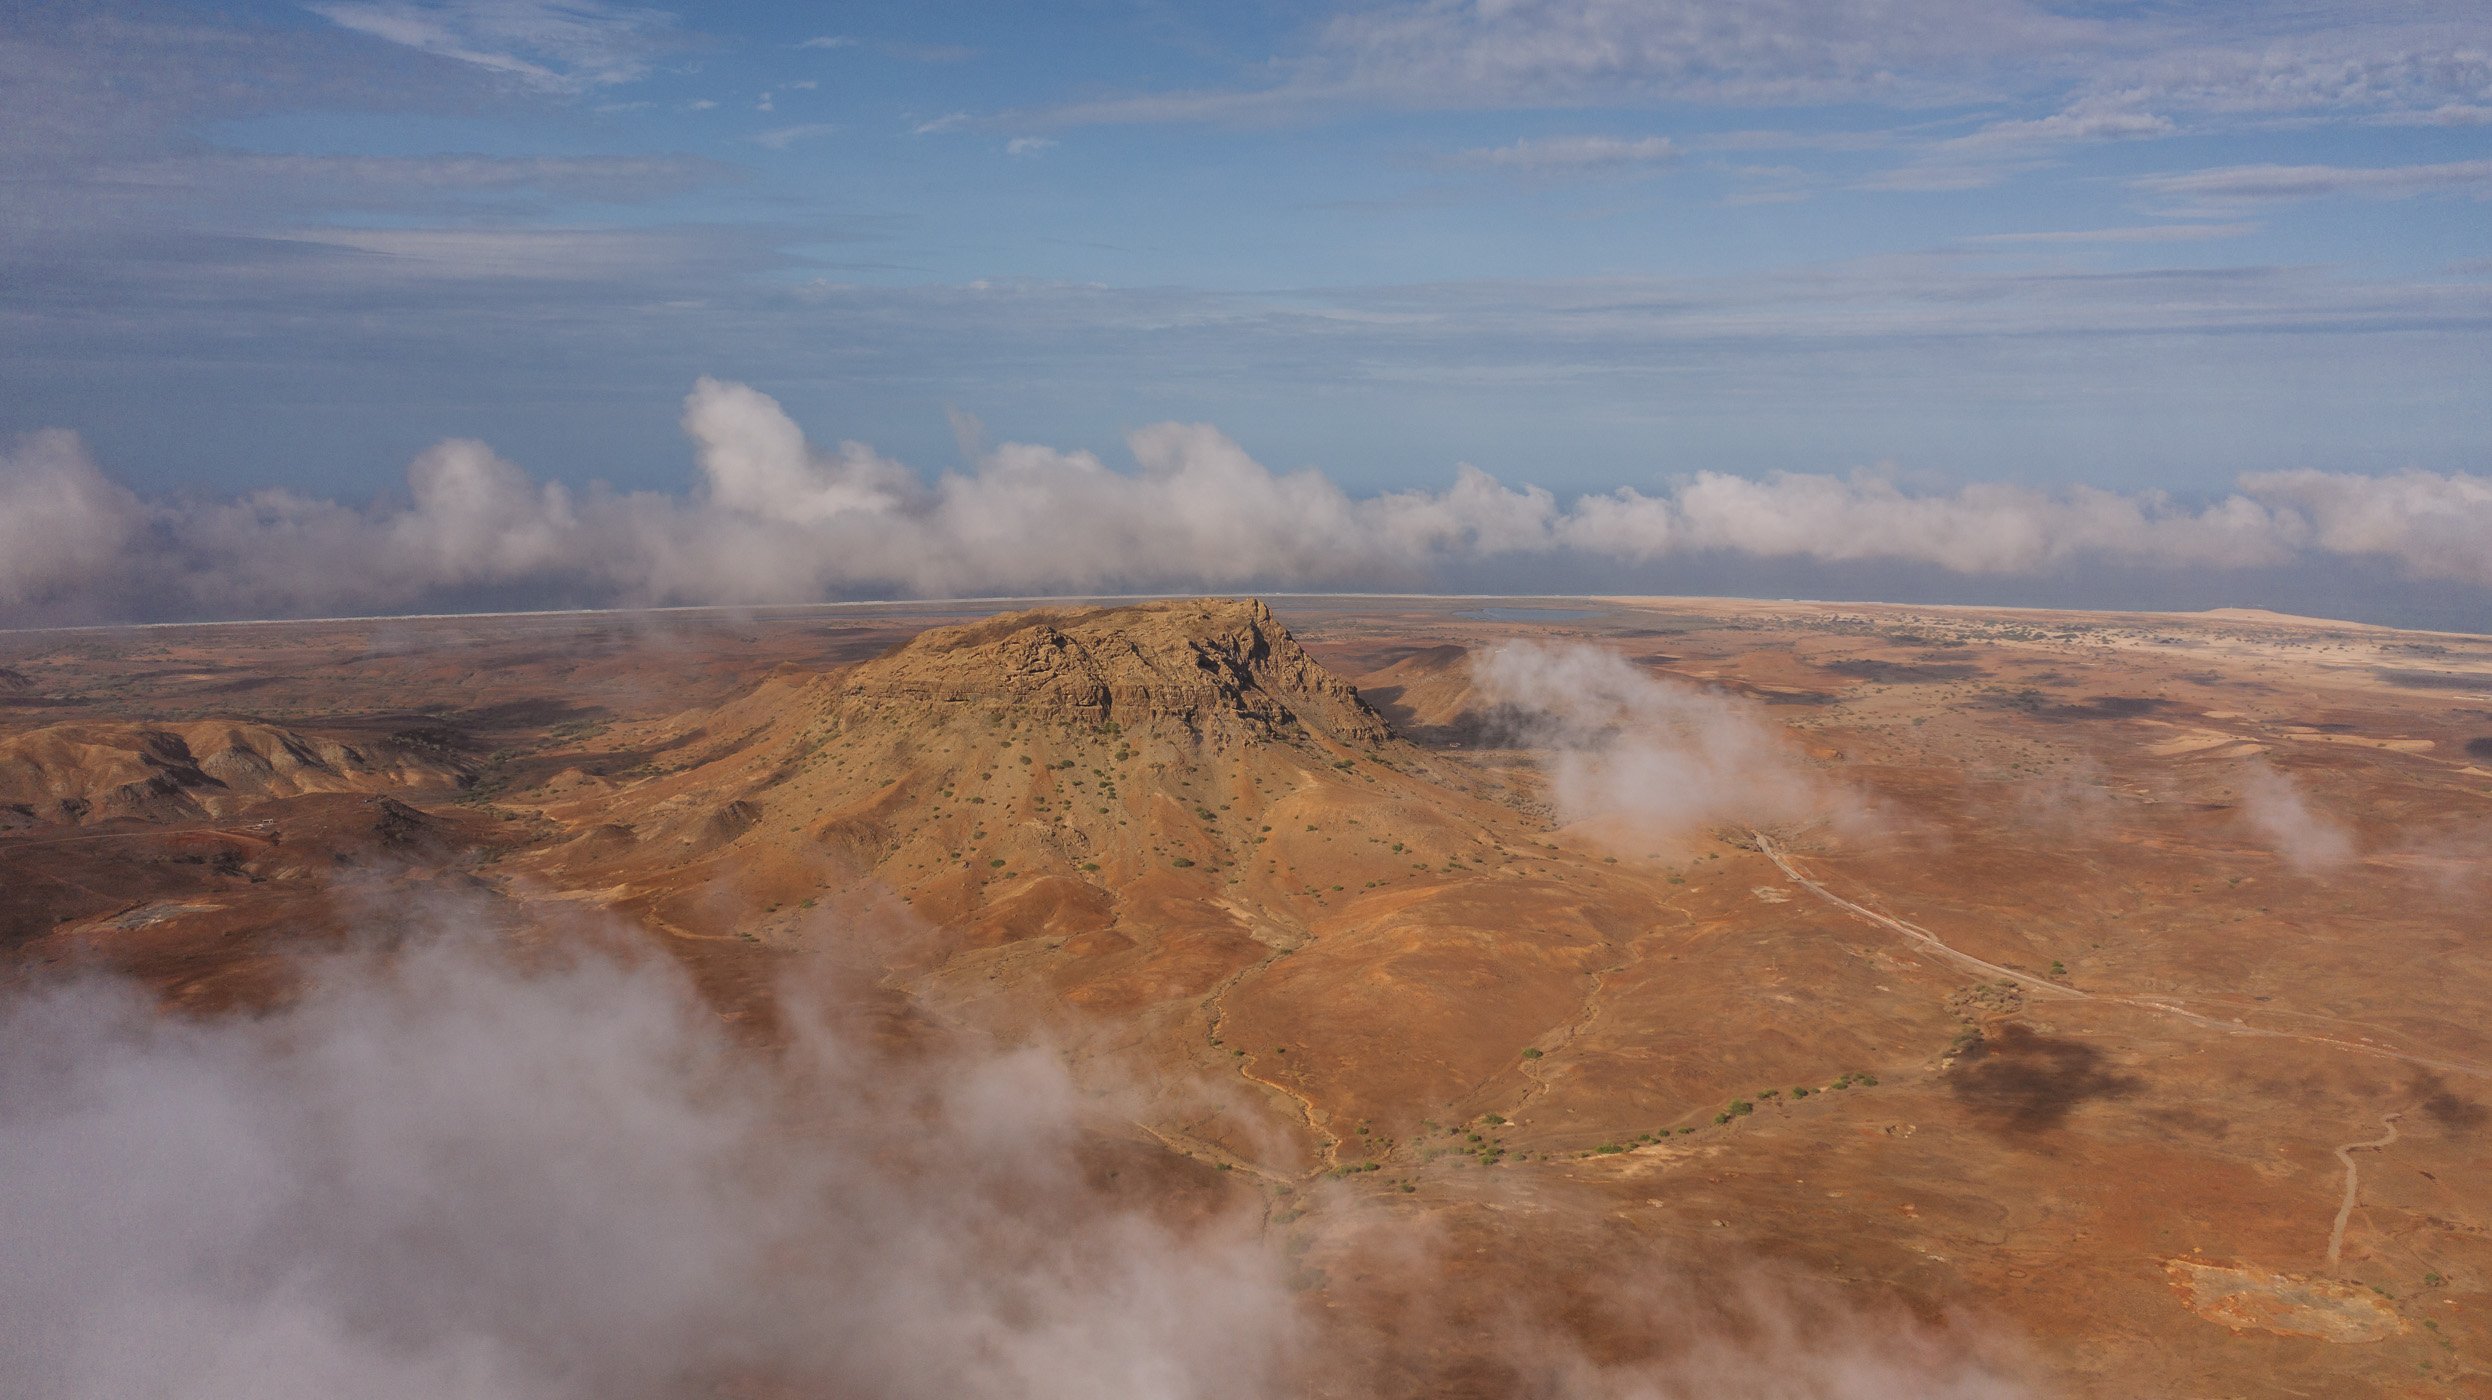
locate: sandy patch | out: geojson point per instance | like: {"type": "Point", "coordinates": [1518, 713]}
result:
{"type": "Point", "coordinates": [2253, 1300]}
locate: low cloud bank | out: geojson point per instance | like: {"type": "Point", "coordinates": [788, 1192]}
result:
{"type": "Point", "coordinates": [1648, 759]}
{"type": "Point", "coordinates": [456, 1170]}
{"type": "Point", "coordinates": [775, 518]}
{"type": "Point", "coordinates": [452, 1175]}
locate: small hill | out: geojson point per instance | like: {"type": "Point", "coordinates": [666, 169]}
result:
{"type": "Point", "coordinates": [1131, 738]}
{"type": "Point", "coordinates": [1167, 819]}
{"type": "Point", "coordinates": [83, 770]}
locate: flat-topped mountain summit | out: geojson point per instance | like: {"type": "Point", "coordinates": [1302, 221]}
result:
{"type": "Point", "coordinates": [1222, 668]}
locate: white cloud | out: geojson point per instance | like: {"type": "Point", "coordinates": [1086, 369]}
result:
{"type": "Point", "coordinates": [364, 180]}
{"type": "Point", "coordinates": [2437, 526]}
{"type": "Point", "coordinates": [1560, 52]}
{"type": "Point", "coordinates": [949, 121]}
{"type": "Point", "coordinates": [2098, 124]}
{"type": "Point", "coordinates": [1647, 761]}
{"type": "Point", "coordinates": [782, 137]}
{"type": "Point", "coordinates": [453, 1169]}
{"type": "Point", "coordinates": [460, 254]}
{"type": "Point", "coordinates": [2247, 183]}
{"type": "Point", "coordinates": [442, 1173]}
{"type": "Point", "coordinates": [2132, 233]}
{"type": "Point", "coordinates": [64, 527]}
{"type": "Point", "coordinates": [565, 45]}
{"type": "Point", "coordinates": [2104, 72]}
{"type": "Point", "coordinates": [776, 519]}
{"type": "Point", "coordinates": [1574, 153]}
{"type": "Point", "coordinates": [1027, 145]}
{"type": "Point", "coordinates": [828, 41]}
{"type": "Point", "coordinates": [2276, 809]}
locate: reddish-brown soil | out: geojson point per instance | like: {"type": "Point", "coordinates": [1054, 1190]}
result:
{"type": "Point", "coordinates": [2085, 1058]}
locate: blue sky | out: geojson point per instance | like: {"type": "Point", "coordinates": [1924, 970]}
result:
{"type": "Point", "coordinates": [1578, 243]}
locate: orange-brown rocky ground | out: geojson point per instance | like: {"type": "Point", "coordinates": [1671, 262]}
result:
{"type": "Point", "coordinates": [2056, 1041]}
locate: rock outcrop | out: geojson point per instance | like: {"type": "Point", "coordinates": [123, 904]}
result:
{"type": "Point", "coordinates": [1226, 670]}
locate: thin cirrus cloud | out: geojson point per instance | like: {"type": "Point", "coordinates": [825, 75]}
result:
{"type": "Point", "coordinates": [560, 45]}
{"type": "Point", "coordinates": [2277, 183]}
{"type": "Point", "coordinates": [2118, 73]}
{"type": "Point", "coordinates": [782, 137]}
{"type": "Point", "coordinates": [370, 180]}
{"type": "Point", "coordinates": [2126, 233]}
{"type": "Point", "coordinates": [774, 518]}
{"type": "Point", "coordinates": [1574, 154]}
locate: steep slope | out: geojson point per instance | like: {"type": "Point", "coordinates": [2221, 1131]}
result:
{"type": "Point", "coordinates": [1136, 818]}
{"type": "Point", "coordinates": [1428, 694]}
{"type": "Point", "coordinates": [1125, 742]}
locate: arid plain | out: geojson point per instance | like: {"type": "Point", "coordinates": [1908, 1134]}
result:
{"type": "Point", "coordinates": [2069, 1004]}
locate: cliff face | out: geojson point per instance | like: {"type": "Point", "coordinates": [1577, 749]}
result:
{"type": "Point", "coordinates": [1223, 669]}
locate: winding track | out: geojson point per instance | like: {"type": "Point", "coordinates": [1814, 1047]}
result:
{"type": "Point", "coordinates": [2040, 986]}
{"type": "Point", "coordinates": [2353, 1183]}
{"type": "Point", "coordinates": [2047, 989]}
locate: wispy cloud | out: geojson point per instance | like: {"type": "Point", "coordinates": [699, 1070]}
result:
{"type": "Point", "coordinates": [828, 41]}
{"type": "Point", "coordinates": [564, 45]}
{"type": "Point", "coordinates": [1579, 154]}
{"type": "Point", "coordinates": [2264, 183]}
{"type": "Point", "coordinates": [2282, 816]}
{"type": "Point", "coordinates": [935, 126]}
{"type": "Point", "coordinates": [2087, 123]}
{"type": "Point", "coordinates": [780, 138]}
{"type": "Point", "coordinates": [441, 1172]}
{"type": "Point", "coordinates": [930, 53]}
{"type": "Point", "coordinates": [2130, 233]}
{"type": "Point", "coordinates": [1027, 145]}
{"type": "Point", "coordinates": [366, 180]}
{"type": "Point", "coordinates": [487, 254]}
{"type": "Point", "coordinates": [2105, 73]}
{"type": "Point", "coordinates": [1645, 761]}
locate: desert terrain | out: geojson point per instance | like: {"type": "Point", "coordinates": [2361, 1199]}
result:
{"type": "Point", "coordinates": [1605, 996]}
